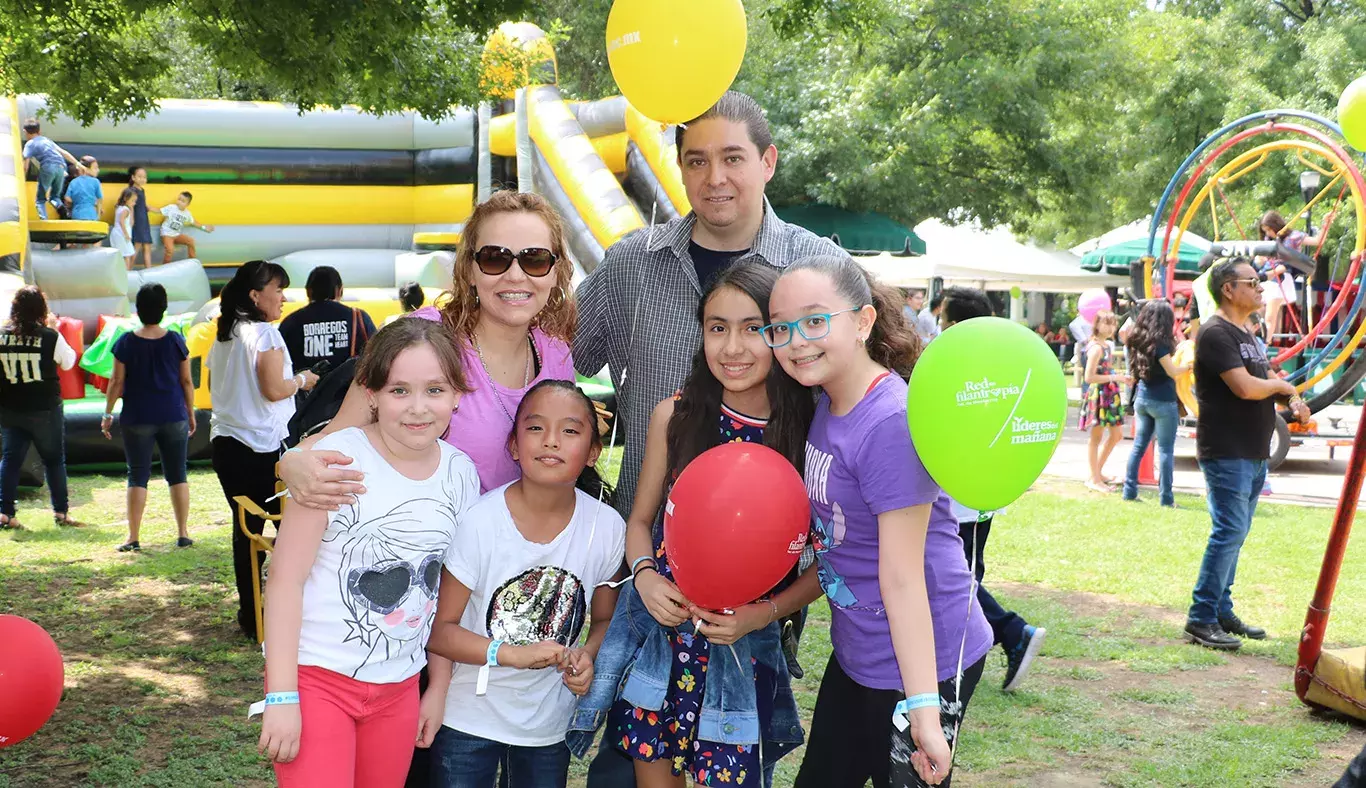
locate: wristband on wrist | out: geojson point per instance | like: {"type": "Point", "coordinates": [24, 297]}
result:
{"type": "Point", "coordinates": [273, 699]}
{"type": "Point", "coordinates": [774, 617]}
{"type": "Point", "coordinates": [901, 716]}
{"type": "Point", "coordinates": [299, 380]}
{"type": "Point", "coordinates": [641, 564]}
{"type": "Point", "coordinates": [481, 684]}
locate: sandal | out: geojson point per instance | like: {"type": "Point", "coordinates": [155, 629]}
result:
{"type": "Point", "coordinates": [8, 523]}
{"type": "Point", "coordinates": [65, 520]}
{"type": "Point", "coordinates": [1100, 488]}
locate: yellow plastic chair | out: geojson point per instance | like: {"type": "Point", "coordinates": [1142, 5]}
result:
{"type": "Point", "coordinates": [259, 545]}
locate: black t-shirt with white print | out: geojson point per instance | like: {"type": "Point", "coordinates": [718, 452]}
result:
{"type": "Point", "coordinates": [1230, 427]}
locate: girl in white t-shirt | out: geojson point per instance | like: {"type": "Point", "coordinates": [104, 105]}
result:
{"type": "Point", "coordinates": [526, 564]}
{"type": "Point", "coordinates": [352, 593]}
{"type": "Point", "coordinates": [121, 233]}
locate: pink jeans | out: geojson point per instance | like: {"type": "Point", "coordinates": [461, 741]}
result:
{"type": "Point", "coordinates": [354, 734]}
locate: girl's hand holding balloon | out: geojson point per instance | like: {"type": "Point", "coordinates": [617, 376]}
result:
{"type": "Point", "coordinates": [725, 627]}
{"type": "Point", "coordinates": [577, 668]}
{"type": "Point", "coordinates": [662, 598]}
{"type": "Point", "coordinates": [933, 758]}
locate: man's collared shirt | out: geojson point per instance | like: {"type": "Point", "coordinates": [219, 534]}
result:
{"type": "Point", "coordinates": [638, 317]}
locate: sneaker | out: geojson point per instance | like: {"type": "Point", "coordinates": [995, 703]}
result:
{"type": "Point", "coordinates": [789, 644]}
{"type": "Point", "coordinates": [1235, 626]}
{"type": "Point", "coordinates": [130, 547]}
{"type": "Point", "coordinates": [1211, 636]}
{"type": "Point", "coordinates": [1019, 659]}
{"type": "Point", "coordinates": [184, 541]}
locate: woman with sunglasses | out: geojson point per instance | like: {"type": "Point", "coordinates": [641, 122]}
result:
{"type": "Point", "coordinates": [512, 318]}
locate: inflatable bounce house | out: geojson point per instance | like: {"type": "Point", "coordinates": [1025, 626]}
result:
{"type": "Point", "coordinates": [381, 199]}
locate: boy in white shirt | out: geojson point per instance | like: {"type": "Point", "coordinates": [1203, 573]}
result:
{"type": "Point", "coordinates": [175, 218]}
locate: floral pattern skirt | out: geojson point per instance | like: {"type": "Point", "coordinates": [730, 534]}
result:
{"type": "Point", "coordinates": [670, 733]}
{"type": "Point", "coordinates": [1103, 407]}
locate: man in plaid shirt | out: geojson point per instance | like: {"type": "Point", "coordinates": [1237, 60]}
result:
{"type": "Point", "coordinates": [638, 309]}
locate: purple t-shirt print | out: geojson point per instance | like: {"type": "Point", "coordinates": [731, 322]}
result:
{"type": "Point", "coordinates": [858, 466]}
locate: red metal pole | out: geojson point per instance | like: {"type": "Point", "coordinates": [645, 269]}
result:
{"type": "Point", "coordinates": [1316, 620]}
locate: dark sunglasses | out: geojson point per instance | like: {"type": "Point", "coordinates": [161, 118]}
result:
{"type": "Point", "coordinates": [494, 260]}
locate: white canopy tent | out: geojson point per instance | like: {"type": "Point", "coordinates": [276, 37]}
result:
{"type": "Point", "coordinates": [988, 259]}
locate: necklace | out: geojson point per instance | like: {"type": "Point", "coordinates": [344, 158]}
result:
{"type": "Point", "coordinates": [526, 376]}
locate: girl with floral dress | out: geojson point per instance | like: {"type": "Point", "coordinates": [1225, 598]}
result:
{"type": "Point", "coordinates": [734, 393]}
{"type": "Point", "coordinates": [1103, 409]}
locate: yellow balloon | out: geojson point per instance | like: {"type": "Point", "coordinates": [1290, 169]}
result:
{"type": "Point", "coordinates": [673, 59]}
{"type": "Point", "coordinates": [1352, 113]}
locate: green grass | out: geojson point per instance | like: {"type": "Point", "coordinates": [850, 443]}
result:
{"type": "Point", "coordinates": [158, 677]}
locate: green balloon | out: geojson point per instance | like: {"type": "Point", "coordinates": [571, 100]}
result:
{"type": "Point", "coordinates": [1016, 292]}
{"type": "Point", "coordinates": [986, 407]}
{"type": "Point", "coordinates": [1352, 113]}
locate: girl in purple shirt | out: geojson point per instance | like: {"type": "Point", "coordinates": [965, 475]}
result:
{"type": "Point", "coordinates": [903, 623]}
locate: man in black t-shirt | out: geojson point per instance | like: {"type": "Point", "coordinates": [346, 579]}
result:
{"type": "Point", "coordinates": [326, 329]}
{"type": "Point", "coordinates": [1237, 417]}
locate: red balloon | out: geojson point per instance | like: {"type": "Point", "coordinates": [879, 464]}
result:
{"type": "Point", "coordinates": [31, 676]}
{"type": "Point", "coordinates": [734, 525]}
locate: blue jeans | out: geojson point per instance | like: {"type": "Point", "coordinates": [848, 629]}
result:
{"type": "Point", "coordinates": [460, 760]}
{"type": "Point", "coordinates": [1162, 416]}
{"type": "Point", "coordinates": [45, 430]}
{"type": "Point", "coordinates": [173, 439]}
{"type": "Point", "coordinates": [50, 181]}
{"type": "Point", "coordinates": [1232, 488]}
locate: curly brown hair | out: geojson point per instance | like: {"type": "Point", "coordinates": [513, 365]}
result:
{"type": "Point", "coordinates": [460, 307]}
{"type": "Point", "coordinates": [28, 311]}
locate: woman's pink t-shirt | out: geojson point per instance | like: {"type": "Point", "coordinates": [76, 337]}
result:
{"type": "Point", "coordinates": [481, 424]}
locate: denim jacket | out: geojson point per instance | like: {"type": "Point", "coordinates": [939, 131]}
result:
{"type": "Point", "coordinates": [634, 663]}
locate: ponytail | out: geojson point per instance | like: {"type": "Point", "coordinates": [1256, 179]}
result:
{"type": "Point", "coordinates": [891, 343]}
{"type": "Point", "coordinates": [235, 304]}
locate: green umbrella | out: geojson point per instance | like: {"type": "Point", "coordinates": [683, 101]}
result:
{"type": "Point", "coordinates": [1116, 258]}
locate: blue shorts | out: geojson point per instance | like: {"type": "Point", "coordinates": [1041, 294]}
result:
{"type": "Point", "coordinates": [172, 439]}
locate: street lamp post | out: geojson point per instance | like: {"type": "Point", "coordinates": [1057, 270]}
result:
{"type": "Point", "coordinates": [1309, 186]}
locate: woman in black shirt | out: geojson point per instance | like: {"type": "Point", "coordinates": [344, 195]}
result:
{"type": "Point", "coordinates": [31, 350]}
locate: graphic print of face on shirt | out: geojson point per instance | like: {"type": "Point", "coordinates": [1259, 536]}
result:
{"type": "Point", "coordinates": [542, 603]}
{"type": "Point", "coordinates": [389, 585]}
{"type": "Point", "coordinates": [829, 526]}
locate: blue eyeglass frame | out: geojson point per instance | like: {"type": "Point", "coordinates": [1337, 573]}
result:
{"type": "Point", "coordinates": [796, 324]}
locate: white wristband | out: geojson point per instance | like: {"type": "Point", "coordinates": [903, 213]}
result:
{"type": "Point", "coordinates": [299, 380]}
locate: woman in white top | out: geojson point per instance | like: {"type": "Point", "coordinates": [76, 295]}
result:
{"type": "Point", "coordinates": [253, 384]}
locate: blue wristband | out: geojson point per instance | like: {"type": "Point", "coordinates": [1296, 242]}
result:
{"type": "Point", "coordinates": [281, 698]}
{"type": "Point", "coordinates": [491, 658]}
{"type": "Point", "coordinates": [920, 701]}
{"type": "Point", "coordinates": [636, 563]}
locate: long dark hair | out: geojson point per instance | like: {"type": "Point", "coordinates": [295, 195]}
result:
{"type": "Point", "coordinates": [892, 342]}
{"type": "Point", "coordinates": [235, 301]}
{"type": "Point", "coordinates": [589, 480]}
{"type": "Point", "coordinates": [1153, 328]}
{"type": "Point", "coordinates": [28, 311]}
{"type": "Point", "coordinates": [693, 428]}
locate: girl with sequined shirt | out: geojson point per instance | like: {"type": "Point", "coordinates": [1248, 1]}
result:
{"type": "Point", "coordinates": [531, 565]}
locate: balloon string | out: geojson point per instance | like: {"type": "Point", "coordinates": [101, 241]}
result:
{"type": "Point", "coordinates": [963, 644]}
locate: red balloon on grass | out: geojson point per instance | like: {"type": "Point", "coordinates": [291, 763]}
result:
{"type": "Point", "coordinates": [734, 525]}
{"type": "Point", "coordinates": [31, 676]}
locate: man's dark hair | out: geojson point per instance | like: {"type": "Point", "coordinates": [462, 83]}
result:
{"type": "Point", "coordinates": [1222, 273]}
{"type": "Point", "coordinates": [965, 303]}
{"type": "Point", "coordinates": [32, 126]}
{"type": "Point", "coordinates": [937, 301]}
{"type": "Point", "coordinates": [151, 303]}
{"type": "Point", "coordinates": [323, 284]}
{"type": "Point", "coordinates": [735, 107]}
{"type": "Point", "coordinates": [187, 196]}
